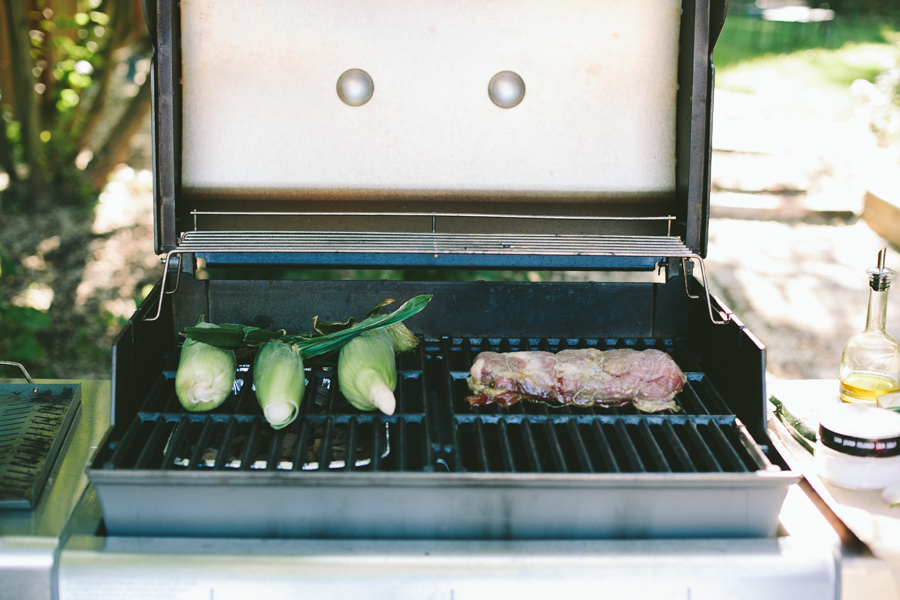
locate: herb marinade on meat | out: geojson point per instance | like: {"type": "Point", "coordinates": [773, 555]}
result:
{"type": "Point", "coordinates": [649, 379]}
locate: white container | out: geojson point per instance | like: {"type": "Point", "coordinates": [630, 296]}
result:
{"type": "Point", "coordinates": [858, 447]}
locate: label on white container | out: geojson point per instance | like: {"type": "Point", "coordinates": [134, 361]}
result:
{"type": "Point", "coordinates": [857, 446]}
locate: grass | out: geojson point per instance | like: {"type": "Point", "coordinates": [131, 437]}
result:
{"type": "Point", "coordinates": [752, 55]}
{"type": "Point", "coordinates": [805, 62]}
{"type": "Point", "coordinates": [746, 39]}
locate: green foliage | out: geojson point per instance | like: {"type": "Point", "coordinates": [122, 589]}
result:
{"type": "Point", "coordinates": [746, 38]}
{"type": "Point", "coordinates": [20, 325]}
{"type": "Point", "coordinates": [70, 58]}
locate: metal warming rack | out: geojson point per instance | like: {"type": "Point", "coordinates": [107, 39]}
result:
{"type": "Point", "coordinates": [382, 248]}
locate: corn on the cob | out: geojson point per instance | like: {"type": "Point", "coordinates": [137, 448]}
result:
{"type": "Point", "coordinates": [367, 371]}
{"type": "Point", "coordinates": [205, 375]}
{"type": "Point", "coordinates": [279, 380]}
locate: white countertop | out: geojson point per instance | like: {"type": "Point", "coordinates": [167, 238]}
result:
{"type": "Point", "coordinates": [863, 513]}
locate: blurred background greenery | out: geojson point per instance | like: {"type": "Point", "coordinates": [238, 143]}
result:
{"type": "Point", "coordinates": [75, 101]}
{"type": "Point", "coordinates": [73, 92]}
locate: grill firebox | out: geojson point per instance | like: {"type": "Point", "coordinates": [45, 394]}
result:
{"type": "Point", "coordinates": [438, 468]}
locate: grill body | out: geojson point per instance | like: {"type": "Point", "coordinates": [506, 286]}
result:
{"type": "Point", "coordinates": [437, 468]}
{"type": "Point", "coordinates": [603, 166]}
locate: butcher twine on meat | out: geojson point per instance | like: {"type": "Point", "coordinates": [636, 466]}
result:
{"type": "Point", "coordinates": [649, 379]}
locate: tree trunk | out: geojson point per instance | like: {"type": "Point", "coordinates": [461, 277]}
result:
{"type": "Point", "coordinates": [116, 148]}
{"type": "Point", "coordinates": [6, 157]}
{"type": "Point", "coordinates": [26, 107]}
{"type": "Point", "coordinates": [118, 22]}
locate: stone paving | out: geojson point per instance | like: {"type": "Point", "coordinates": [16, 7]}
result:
{"type": "Point", "coordinates": [787, 250]}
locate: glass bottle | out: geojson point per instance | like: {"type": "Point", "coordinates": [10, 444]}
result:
{"type": "Point", "coordinates": [870, 364]}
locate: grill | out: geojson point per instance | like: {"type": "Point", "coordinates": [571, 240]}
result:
{"type": "Point", "coordinates": [266, 164]}
{"type": "Point", "coordinates": [603, 164]}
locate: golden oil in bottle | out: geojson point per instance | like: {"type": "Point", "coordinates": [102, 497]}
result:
{"type": "Point", "coordinates": [870, 363]}
{"type": "Point", "coordinates": [864, 388]}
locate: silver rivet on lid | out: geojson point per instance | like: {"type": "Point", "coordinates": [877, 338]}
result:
{"type": "Point", "coordinates": [506, 89]}
{"type": "Point", "coordinates": [355, 87]}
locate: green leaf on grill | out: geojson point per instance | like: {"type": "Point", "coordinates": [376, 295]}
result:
{"type": "Point", "coordinates": [232, 336]}
{"type": "Point", "coordinates": [329, 343]}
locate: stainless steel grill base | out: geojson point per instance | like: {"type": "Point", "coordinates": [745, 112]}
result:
{"type": "Point", "coordinates": [113, 568]}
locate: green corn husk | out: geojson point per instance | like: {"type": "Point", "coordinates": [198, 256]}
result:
{"type": "Point", "coordinates": [205, 376]}
{"type": "Point", "coordinates": [280, 381]}
{"type": "Point", "coordinates": [367, 372]}
{"type": "Point", "coordinates": [231, 336]}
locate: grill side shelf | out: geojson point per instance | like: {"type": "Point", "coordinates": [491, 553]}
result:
{"type": "Point", "coordinates": [34, 421]}
{"type": "Point", "coordinates": [434, 429]}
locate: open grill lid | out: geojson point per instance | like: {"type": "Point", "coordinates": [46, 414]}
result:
{"type": "Point", "coordinates": [603, 163]}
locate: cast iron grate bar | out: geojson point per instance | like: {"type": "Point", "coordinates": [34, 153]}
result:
{"type": "Point", "coordinates": [556, 452]}
{"type": "Point", "coordinates": [175, 442]}
{"type": "Point", "coordinates": [649, 442]}
{"type": "Point", "coordinates": [455, 452]}
{"type": "Point", "coordinates": [580, 450]}
{"type": "Point", "coordinates": [200, 446]}
{"type": "Point", "coordinates": [352, 442]}
{"type": "Point", "coordinates": [690, 400]}
{"type": "Point", "coordinates": [403, 445]}
{"type": "Point", "coordinates": [534, 461]}
{"type": "Point", "coordinates": [327, 444]}
{"type": "Point", "coordinates": [224, 450]}
{"type": "Point", "coordinates": [702, 447]}
{"type": "Point", "coordinates": [480, 450]}
{"type": "Point", "coordinates": [726, 448]}
{"type": "Point", "coordinates": [376, 444]}
{"type": "Point", "coordinates": [274, 457]}
{"type": "Point", "coordinates": [121, 449]}
{"type": "Point", "coordinates": [631, 452]}
{"type": "Point", "coordinates": [684, 459]}
{"type": "Point", "coordinates": [606, 452]}
{"type": "Point", "coordinates": [506, 455]}
{"type": "Point", "coordinates": [250, 446]}
{"type": "Point", "coordinates": [299, 456]}
{"type": "Point", "coordinates": [757, 458]}
{"type": "Point", "coordinates": [151, 445]}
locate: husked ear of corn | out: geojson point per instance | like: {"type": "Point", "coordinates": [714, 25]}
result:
{"type": "Point", "coordinates": [279, 379]}
{"type": "Point", "coordinates": [367, 371]}
{"type": "Point", "coordinates": [205, 375]}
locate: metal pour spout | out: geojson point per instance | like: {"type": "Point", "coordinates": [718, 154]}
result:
{"type": "Point", "coordinates": [880, 277]}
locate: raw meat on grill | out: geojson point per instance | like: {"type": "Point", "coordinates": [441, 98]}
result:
{"type": "Point", "coordinates": [649, 379]}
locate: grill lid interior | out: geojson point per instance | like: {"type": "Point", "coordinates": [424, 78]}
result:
{"type": "Point", "coordinates": [614, 121]}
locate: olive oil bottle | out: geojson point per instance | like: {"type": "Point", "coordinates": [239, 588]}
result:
{"type": "Point", "coordinates": [870, 364]}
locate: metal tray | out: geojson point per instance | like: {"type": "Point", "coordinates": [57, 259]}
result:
{"type": "Point", "coordinates": [34, 421]}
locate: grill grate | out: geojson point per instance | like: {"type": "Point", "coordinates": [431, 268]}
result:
{"type": "Point", "coordinates": [34, 419]}
{"type": "Point", "coordinates": [434, 429]}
